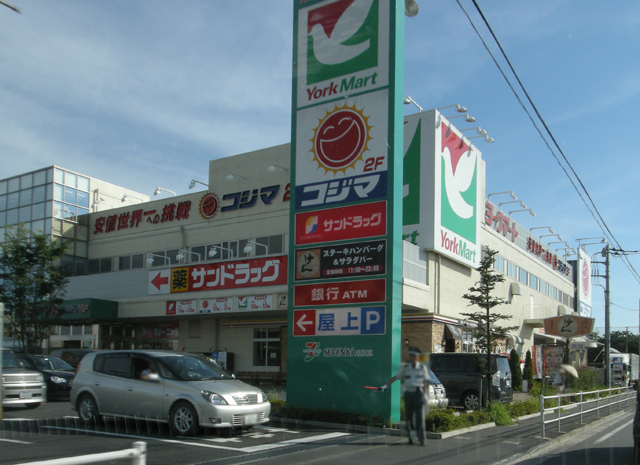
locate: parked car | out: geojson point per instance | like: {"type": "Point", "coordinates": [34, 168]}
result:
{"type": "Point", "coordinates": [462, 376]}
{"type": "Point", "coordinates": [437, 392]}
{"type": "Point", "coordinates": [57, 373]}
{"type": "Point", "coordinates": [187, 391]}
{"type": "Point", "coordinates": [21, 385]}
{"type": "Point", "coordinates": [71, 356]}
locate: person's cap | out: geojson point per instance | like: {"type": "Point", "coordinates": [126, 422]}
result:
{"type": "Point", "coordinates": [413, 350]}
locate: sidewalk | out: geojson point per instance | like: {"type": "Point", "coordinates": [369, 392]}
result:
{"type": "Point", "coordinates": [484, 444]}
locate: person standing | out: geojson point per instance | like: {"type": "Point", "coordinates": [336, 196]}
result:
{"type": "Point", "coordinates": [415, 383]}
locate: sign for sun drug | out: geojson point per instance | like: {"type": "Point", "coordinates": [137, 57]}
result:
{"type": "Point", "coordinates": [347, 129]}
{"type": "Point", "coordinates": [443, 205]}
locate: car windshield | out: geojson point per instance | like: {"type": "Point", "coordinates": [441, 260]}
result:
{"type": "Point", "coordinates": [51, 363]}
{"type": "Point", "coordinates": [194, 368]}
{"type": "Point", "coordinates": [9, 360]}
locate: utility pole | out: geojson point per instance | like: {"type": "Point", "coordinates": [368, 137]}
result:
{"type": "Point", "coordinates": [607, 322]}
{"type": "Point", "coordinates": [607, 312]}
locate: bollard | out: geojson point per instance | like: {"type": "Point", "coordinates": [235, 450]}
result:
{"type": "Point", "coordinates": [141, 458]}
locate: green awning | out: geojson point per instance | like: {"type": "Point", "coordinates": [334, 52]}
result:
{"type": "Point", "coordinates": [89, 309]}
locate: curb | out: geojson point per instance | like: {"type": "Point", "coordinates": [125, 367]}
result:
{"type": "Point", "coordinates": [552, 443]}
{"type": "Point", "coordinates": [378, 430]}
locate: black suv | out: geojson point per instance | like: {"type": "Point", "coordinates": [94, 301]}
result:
{"type": "Point", "coordinates": [462, 376]}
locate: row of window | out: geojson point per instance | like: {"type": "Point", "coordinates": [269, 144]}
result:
{"type": "Point", "coordinates": [261, 246]}
{"type": "Point", "coordinates": [523, 276]}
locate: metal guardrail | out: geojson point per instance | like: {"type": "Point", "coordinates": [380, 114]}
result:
{"type": "Point", "coordinates": [138, 456]}
{"type": "Point", "coordinates": [624, 394]}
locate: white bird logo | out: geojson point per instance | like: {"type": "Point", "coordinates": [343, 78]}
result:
{"type": "Point", "coordinates": [459, 181]}
{"type": "Point", "coordinates": [327, 40]}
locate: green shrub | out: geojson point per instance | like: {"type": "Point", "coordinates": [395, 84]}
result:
{"type": "Point", "coordinates": [520, 409]}
{"type": "Point", "coordinates": [516, 371]}
{"type": "Point", "coordinates": [527, 373]}
{"type": "Point", "coordinates": [499, 414]}
{"type": "Point", "coordinates": [441, 421]}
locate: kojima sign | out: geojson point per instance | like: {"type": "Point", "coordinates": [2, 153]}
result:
{"type": "Point", "coordinates": [442, 202]}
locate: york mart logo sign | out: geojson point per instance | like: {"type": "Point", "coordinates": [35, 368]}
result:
{"type": "Point", "coordinates": [339, 51]}
{"type": "Point", "coordinates": [341, 39]}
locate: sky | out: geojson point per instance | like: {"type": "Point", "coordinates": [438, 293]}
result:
{"type": "Point", "coordinates": [144, 93]}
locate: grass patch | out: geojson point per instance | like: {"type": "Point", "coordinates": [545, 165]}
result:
{"type": "Point", "coordinates": [500, 414]}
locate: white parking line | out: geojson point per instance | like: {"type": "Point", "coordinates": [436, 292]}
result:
{"type": "Point", "coordinates": [15, 441]}
{"type": "Point", "coordinates": [612, 433]}
{"type": "Point", "coordinates": [247, 450]}
{"type": "Point", "coordinates": [293, 442]}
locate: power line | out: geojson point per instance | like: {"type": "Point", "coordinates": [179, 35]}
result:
{"type": "Point", "coordinates": [599, 219]}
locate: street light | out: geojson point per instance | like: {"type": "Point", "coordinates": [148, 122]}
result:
{"type": "Point", "coordinates": [126, 196]}
{"type": "Point", "coordinates": [459, 108]}
{"type": "Point", "coordinates": [559, 242]}
{"type": "Point", "coordinates": [513, 196]}
{"type": "Point", "coordinates": [410, 8]}
{"type": "Point", "coordinates": [513, 201]}
{"type": "Point", "coordinates": [408, 100]}
{"type": "Point", "coordinates": [550, 235]}
{"type": "Point", "coordinates": [181, 253]}
{"type": "Point", "coordinates": [193, 182]}
{"type": "Point", "coordinates": [214, 251]}
{"type": "Point", "coordinates": [542, 227]}
{"type": "Point", "coordinates": [274, 165]}
{"type": "Point", "coordinates": [158, 189]}
{"type": "Point", "coordinates": [233, 174]}
{"type": "Point", "coordinates": [248, 247]}
{"type": "Point", "coordinates": [150, 260]}
{"type": "Point", "coordinates": [523, 210]}
{"type": "Point", "coordinates": [602, 241]}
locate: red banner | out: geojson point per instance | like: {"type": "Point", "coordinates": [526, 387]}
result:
{"type": "Point", "coordinates": [268, 271]}
{"type": "Point", "coordinates": [348, 292]}
{"type": "Point", "coordinates": [335, 224]}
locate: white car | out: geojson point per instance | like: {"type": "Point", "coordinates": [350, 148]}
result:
{"type": "Point", "coordinates": [187, 391]}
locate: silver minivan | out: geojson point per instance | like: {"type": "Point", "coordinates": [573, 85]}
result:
{"type": "Point", "coordinates": [187, 391]}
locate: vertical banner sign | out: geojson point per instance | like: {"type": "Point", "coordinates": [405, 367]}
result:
{"type": "Point", "coordinates": [442, 199]}
{"type": "Point", "coordinates": [583, 283]}
{"type": "Point", "coordinates": [346, 209]}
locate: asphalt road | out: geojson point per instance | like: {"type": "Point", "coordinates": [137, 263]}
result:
{"type": "Point", "coordinates": [54, 431]}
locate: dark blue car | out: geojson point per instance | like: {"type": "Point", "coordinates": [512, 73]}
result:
{"type": "Point", "coordinates": [57, 373]}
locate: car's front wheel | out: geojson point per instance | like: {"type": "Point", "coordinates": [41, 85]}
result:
{"type": "Point", "coordinates": [32, 405]}
{"type": "Point", "coordinates": [471, 400]}
{"type": "Point", "coordinates": [88, 409]}
{"type": "Point", "coordinates": [184, 420]}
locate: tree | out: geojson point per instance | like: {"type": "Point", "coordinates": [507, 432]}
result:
{"type": "Point", "coordinates": [623, 341]}
{"type": "Point", "coordinates": [487, 331]}
{"type": "Point", "coordinates": [527, 373]}
{"type": "Point", "coordinates": [32, 284]}
{"type": "Point", "coordinates": [516, 370]}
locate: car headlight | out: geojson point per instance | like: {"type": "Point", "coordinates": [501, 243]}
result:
{"type": "Point", "coordinates": [40, 379]}
{"type": "Point", "coordinates": [496, 378]}
{"type": "Point", "coordinates": [4, 380]}
{"type": "Point", "coordinates": [213, 398]}
{"type": "Point", "coordinates": [263, 397]}
{"type": "Point", "coordinates": [58, 380]}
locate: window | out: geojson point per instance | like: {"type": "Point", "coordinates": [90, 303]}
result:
{"type": "Point", "coordinates": [3, 202]}
{"type": "Point", "coordinates": [524, 276]}
{"type": "Point", "coordinates": [70, 179]}
{"type": "Point", "coordinates": [25, 197]}
{"type": "Point", "coordinates": [137, 261]}
{"type": "Point", "coordinates": [113, 364]}
{"type": "Point", "coordinates": [266, 347]}
{"type": "Point", "coordinates": [26, 181]}
{"type": "Point", "coordinates": [533, 282]}
{"type": "Point", "coordinates": [13, 200]}
{"type": "Point", "coordinates": [512, 270]}
{"type": "Point", "coordinates": [70, 195]}
{"type": "Point", "coordinates": [83, 199]}
{"type": "Point", "coordinates": [39, 178]}
{"type": "Point", "coordinates": [124, 263]}
{"type": "Point", "coordinates": [14, 185]}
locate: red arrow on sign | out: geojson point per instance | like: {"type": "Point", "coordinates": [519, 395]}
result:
{"type": "Point", "coordinates": [305, 321]}
{"type": "Point", "coordinates": [159, 281]}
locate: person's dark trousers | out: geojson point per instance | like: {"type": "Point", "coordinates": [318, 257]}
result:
{"type": "Point", "coordinates": [414, 410]}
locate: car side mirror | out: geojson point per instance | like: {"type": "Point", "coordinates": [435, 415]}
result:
{"type": "Point", "coordinates": [635, 386]}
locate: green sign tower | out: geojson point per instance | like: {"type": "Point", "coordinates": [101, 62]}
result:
{"type": "Point", "coordinates": [345, 248]}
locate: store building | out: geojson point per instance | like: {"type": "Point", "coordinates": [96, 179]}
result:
{"type": "Point", "coordinates": [207, 271]}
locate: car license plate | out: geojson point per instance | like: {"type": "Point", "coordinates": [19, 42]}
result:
{"type": "Point", "coordinates": [508, 382]}
{"type": "Point", "coordinates": [250, 419]}
{"type": "Point", "coordinates": [26, 394]}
